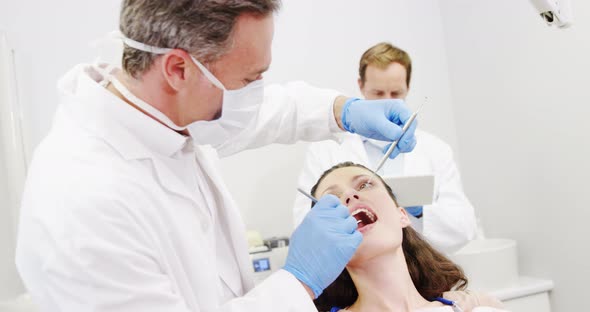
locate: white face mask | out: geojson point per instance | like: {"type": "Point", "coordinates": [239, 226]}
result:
{"type": "Point", "coordinates": [239, 106]}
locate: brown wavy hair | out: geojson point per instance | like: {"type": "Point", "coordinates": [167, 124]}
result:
{"type": "Point", "coordinates": [432, 273]}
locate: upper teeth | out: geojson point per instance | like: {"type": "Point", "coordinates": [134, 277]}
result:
{"type": "Point", "coordinates": [367, 212]}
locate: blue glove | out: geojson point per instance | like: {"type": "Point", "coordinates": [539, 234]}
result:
{"type": "Point", "coordinates": [380, 120]}
{"type": "Point", "coordinates": [416, 211]}
{"type": "Point", "coordinates": [322, 245]}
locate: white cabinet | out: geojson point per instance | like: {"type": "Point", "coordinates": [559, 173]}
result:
{"type": "Point", "coordinates": [527, 295]}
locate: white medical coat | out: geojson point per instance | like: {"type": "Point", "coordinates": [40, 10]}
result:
{"type": "Point", "coordinates": [123, 214]}
{"type": "Point", "coordinates": [448, 224]}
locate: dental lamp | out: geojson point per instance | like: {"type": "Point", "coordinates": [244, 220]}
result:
{"type": "Point", "coordinates": [555, 12]}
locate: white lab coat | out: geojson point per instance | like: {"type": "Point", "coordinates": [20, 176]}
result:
{"type": "Point", "coordinates": [448, 224]}
{"type": "Point", "coordinates": [111, 222]}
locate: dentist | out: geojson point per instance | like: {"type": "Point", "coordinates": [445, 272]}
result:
{"type": "Point", "coordinates": [123, 209]}
{"type": "Point", "coordinates": [449, 222]}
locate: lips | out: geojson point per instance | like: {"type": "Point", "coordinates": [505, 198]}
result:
{"type": "Point", "coordinates": [364, 216]}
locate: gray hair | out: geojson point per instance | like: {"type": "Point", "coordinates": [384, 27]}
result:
{"type": "Point", "coordinates": [203, 28]}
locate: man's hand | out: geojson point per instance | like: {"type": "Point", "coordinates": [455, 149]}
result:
{"type": "Point", "coordinates": [377, 119]}
{"type": "Point", "coordinates": [322, 244]}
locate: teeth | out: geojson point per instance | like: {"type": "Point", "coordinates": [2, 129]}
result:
{"type": "Point", "coordinates": [367, 212]}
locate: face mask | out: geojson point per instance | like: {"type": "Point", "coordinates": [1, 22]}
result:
{"type": "Point", "coordinates": [239, 107]}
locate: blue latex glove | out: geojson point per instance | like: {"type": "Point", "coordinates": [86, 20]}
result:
{"type": "Point", "coordinates": [380, 120]}
{"type": "Point", "coordinates": [416, 211]}
{"type": "Point", "coordinates": [323, 244]}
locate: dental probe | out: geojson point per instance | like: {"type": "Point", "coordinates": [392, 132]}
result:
{"type": "Point", "coordinates": [313, 199]}
{"type": "Point", "coordinates": [394, 143]}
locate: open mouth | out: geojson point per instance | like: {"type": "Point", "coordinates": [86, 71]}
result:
{"type": "Point", "coordinates": [364, 217]}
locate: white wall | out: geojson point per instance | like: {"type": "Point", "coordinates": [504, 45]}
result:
{"type": "Point", "coordinates": [49, 37]}
{"type": "Point", "coordinates": [522, 109]}
{"type": "Point", "coordinates": [321, 42]}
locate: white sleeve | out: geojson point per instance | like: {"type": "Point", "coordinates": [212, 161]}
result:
{"type": "Point", "coordinates": [279, 292]}
{"type": "Point", "coordinates": [289, 113]}
{"type": "Point", "coordinates": [98, 260]}
{"type": "Point", "coordinates": [449, 223]}
{"type": "Point", "coordinates": [105, 262]}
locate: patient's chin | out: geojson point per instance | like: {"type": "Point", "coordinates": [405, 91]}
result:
{"type": "Point", "coordinates": [374, 246]}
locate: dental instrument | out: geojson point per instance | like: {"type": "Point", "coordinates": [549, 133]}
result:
{"type": "Point", "coordinates": [313, 199]}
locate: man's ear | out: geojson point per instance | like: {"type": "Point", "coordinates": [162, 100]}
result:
{"type": "Point", "coordinates": [176, 69]}
{"type": "Point", "coordinates": [404, 218]}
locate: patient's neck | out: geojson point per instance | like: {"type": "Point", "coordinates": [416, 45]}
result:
{"type": "Point", "coordinates": [384, 284]}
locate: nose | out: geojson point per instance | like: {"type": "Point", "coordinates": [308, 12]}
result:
{"type": "Point", "coordinates": [355, 196]}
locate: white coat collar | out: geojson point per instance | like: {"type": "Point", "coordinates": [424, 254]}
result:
{"type": "Point", "coordinates": [133, 134]}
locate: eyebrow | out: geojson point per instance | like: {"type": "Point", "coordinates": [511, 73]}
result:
{"type": "Point", "coordinates": [336, 187]}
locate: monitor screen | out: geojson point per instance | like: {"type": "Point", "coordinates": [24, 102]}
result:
{"type": "Point", "coordinates": [261, 265]}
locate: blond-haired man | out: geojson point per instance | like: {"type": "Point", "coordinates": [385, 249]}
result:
{"type": "Point", "coordinates": [449, 222]}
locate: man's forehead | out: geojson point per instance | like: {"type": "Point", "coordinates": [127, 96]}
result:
{"type": "Point", "coordinates": [251, 43]}
{"type": "Point", "coordinates": [386, 79]}
{"type": "Point", "coordinates": [393, 68]}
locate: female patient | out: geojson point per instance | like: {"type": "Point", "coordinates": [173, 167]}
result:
{"type": "Point", "coordinates": [394, 269]}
